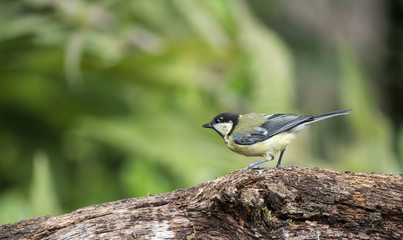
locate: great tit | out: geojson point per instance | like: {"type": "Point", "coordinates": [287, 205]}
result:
{"type": "Point", "coordinates": [262, 134]}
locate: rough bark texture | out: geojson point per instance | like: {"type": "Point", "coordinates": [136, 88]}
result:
{"type": "Point", "coordinates": [274, 203]}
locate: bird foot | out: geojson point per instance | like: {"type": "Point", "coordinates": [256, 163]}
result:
{"type": "Point", "coordinates": [255, 165]}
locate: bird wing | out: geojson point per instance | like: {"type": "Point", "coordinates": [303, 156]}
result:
{"type": "Point", "coordinates": [275, 124]}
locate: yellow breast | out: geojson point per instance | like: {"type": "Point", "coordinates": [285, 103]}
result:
{"type": "Point", "coordinates": [264, 148]}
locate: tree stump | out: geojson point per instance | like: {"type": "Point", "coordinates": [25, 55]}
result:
{"type": "Point", "coordinates": [273, 203]}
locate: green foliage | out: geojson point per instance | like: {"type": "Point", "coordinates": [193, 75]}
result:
{"type": "Point", "coordinates": [373, 144]}
{"type": "Point", "coordinates": [43, 199]}
{"type": "Point", "coordinates": [103, 100]}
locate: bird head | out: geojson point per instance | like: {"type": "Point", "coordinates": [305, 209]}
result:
{"type": "Point", "coordinates": [223, 123]}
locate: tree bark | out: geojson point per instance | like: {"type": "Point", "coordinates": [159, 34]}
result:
{"type": "Point", "coordinates": [273, 203]}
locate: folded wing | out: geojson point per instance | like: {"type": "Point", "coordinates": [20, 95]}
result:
{"type": "Point", "coordinates": [275, 124]}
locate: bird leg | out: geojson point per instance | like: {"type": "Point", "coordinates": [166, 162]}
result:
{"type": "Point", "coordinates": [279, 159]}
{"type": "Point", "coordinates": [256, 164]}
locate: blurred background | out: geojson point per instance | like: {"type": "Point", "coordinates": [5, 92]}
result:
{"type": "Point", "coordinates": [103, 100]}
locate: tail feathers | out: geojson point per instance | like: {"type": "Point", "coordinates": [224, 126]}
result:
{"type": "Point", "coordinates": [331, 114]}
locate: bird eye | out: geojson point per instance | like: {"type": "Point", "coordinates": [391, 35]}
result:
{"type": "Point", "coordinates": [219, 120]}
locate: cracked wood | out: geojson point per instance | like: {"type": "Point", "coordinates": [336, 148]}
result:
{"type": "Point", "coordinates": [273, 203]}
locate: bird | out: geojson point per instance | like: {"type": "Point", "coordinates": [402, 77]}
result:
{"type": "Point", "coordinates": [262, 135]}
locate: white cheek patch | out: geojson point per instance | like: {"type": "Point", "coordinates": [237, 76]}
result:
{"type": "Point", "coordinates": [223, 128]}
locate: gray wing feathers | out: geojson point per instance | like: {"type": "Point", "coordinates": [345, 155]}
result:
{"type": "Point", "coordinates": [331, 114]}
{"type": "Point", "coordinates": [278, 123]}
{"type": "Point", "coordinates": [275, 124]}
{"type": "Point", "coordinates": [260, 130]}
{"type": "Point", "coordinates": [246, 139]}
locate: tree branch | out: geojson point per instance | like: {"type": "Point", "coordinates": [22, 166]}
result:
{"type": "Point", "coordinates": [273, 203]}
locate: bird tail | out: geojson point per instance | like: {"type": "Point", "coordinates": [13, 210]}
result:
{"type": "Point", "coordinates": [330, 114]}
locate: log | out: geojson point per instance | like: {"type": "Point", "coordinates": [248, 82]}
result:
{"type": "Point", "coordinates": [272, 203]}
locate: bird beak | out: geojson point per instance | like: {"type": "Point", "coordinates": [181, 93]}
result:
{"type": "Point", "coordinates": [207, 125]}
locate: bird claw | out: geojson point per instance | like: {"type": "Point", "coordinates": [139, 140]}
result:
{"type": "Point", "coordinates": [255, 165]}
